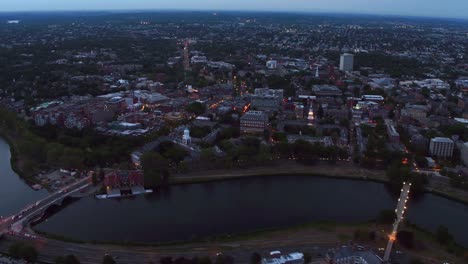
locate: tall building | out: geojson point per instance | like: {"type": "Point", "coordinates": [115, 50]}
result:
{"type": "Point", "coordinates": [441, 147]}
{"type": "Point", "coordinates": [254, 122]}
{"type": "Point", "coordinates": [346, 62]}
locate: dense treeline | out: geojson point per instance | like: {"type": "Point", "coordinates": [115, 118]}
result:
{"type": "Point", "coordinates": [240, 153]}
{"type": "Point", "coordinates": [395, 66]}
{"type": "Point", "coordinates": [53, 147]}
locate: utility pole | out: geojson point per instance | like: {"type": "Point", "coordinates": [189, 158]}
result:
{"type": "Point", "coordinates": [400, 211]}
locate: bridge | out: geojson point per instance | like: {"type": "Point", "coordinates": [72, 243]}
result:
{"type": "Point", "coordinates": [399, 212]}
{"type": "Point", "coordinates": [15, 223]}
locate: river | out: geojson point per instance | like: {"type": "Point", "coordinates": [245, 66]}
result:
{"type": "Point", "coordinates": [15, 194]}
{"type": "Point", "coordinates": [190, 211]}
{"type": "Point", "coordinates": [198, 210]}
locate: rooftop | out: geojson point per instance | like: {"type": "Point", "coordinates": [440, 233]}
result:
{"type": "Point", "coordinates": [442, 139]}
{"type": "Point", "coordinates": [362, 255]}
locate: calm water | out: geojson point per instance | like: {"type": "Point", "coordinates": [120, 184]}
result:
{"type": "Point", "coordinates": [14, 193]}
{"type": "Point", "coordinates": [197, 210]}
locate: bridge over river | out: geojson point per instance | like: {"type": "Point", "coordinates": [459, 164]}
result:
{"type": "Point", "coordinates": [15, 223]}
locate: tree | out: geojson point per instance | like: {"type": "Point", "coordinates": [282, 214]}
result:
{"type": "Point", "coordinates": [204, 260]}
{"type": "Point", "coordinates": [255, 258]}
{"type": "Point", "coordinates": [108, 260]}
{"type": "Point", "coordinates": [23, 251]}
{"type": "Point", "coordinates": [94, 178]}
{"type": "Point", "coordinates": [207, 156]}
{"type": "Point", "coordinates": [165, 260]}
{"type": "Point", "coordinates": [101, 174]}
{"type": "Point", "coordinates": [196, 108]}
{"type": "Point", "coordinates": [69, 259]}
{"type": "Point", "coordinates": [175, 154]}
{"type": "Point", "coordinates": [280, 136]}
{"type": "Point", "coordinates": [416, 261]}
{"type": "Point", "coordinates": [307, 258]}
{"type": "Point", "coordinates": [14, 250]}
{"type": "Point", "coordinates": [425, 92]}
{"type": "Point", "coordinates": [266, 134]}
{"type": "Point", "coordinates": [360, 235]}
{"type": "Point", "coordinates": [155, 168]}
{"type": "Point", "coordinates": [443, 236]}
{"type": "Point", "coordinates": [28, 253]}
{"type": "Point", "coordinates": [223, 259]}
{"type": "Point", "coordinates": [406, 239]}
{"type": "Point", "coordinates": [397, 174]}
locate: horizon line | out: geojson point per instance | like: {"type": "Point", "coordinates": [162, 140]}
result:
{"type": "Point", "coordinates": [329, 12]}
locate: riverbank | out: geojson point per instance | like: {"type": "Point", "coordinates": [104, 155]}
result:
{"type": "Point", "coordinates": [339, 170]}
{"type": "Point", "coordinates": [305, 238]}
{"type": "Point", "coordinates": [15, 158]}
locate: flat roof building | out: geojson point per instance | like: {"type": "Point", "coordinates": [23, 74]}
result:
{"type": "Point", "coordinates": [326, 90]}
{"type": "Point", "coordinates": [267, 99]}
{"type": "Point", "coordinates": [277, 258]}
{"type": "Point", "coordinates": [352, 255]}
{"type": "Point", "coordinates": [346, 62]}
{"type": "Point", "coordinates": [441, 147]}
{"type": "Point", "coordinates": [254, 122]}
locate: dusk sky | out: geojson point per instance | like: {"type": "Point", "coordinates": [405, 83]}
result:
{"type": "Point", "coordinates": [438, 8]}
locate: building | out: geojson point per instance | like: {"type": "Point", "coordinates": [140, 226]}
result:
{"type": "Point", "coordinates": [441, 147]}
{"type": "Point", "coordinates": [373, 98]}
{"type": "Point", "coordinates": [436, 84]}
{"type": "Point", "coordinates": [272, 64]}
{"type": "Point", "coordinates": [299, 111]}
{"type": "Point", "coordinates": [277, 258]}
{"type": "Point", "coordinates": [267, 99]}
{"type": "Point", "coordinates": [419, 142]}
{"type": "Point", "coordinates": [326, 90]}
{"type": "Point", "coordinates": [393, 135]}
{"type": "Point", "coordinates": [254, 122]}
{"type": "Point", "coordinates": [416, 112]}
{"type": "Point", "coordinates": [123, 179]}
{"type": "Point", "coordinates": [186, 139]}
{"type": "Point", "coordinates": [346, 62]}
{"type": "Point", "coordinates": [464, 154]}
{"type": "Point", "coordinates": [198, 59]}
{"type": "Point", "coordinates": [324, 141]}
{"type": "Point", "coordinates": [352, 255]}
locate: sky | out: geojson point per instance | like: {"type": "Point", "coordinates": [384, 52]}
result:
{"type": "Point", "coordinates": [435, 8]}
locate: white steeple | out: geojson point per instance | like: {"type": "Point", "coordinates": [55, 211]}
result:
{"type": "Point", "coordinates": [186, 139]}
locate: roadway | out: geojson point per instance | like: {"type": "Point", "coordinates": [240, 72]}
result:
{"type": "Point", "coordinates": [16, 221]}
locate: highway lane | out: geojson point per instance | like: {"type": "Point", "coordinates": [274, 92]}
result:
{"type": "Point", "coordinates": [89, 253]}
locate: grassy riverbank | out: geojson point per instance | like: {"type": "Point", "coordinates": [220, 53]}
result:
{"type": "Point", "coordinates": [324, 234]}
{"type": "Point", "coordinates": [340, 170]}
{"type": "Point", "coordinates": [16, 162]}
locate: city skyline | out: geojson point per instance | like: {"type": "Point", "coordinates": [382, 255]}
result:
{"type": "Point", "coordinates": [431, 8]}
